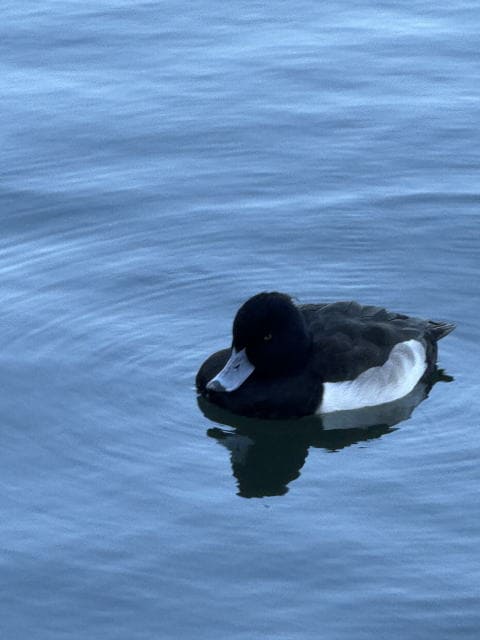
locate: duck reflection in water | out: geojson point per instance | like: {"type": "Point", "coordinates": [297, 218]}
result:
{"type": "Point", "coordinates": [266, 455]}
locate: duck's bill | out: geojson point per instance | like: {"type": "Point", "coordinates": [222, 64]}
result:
{"type": "Point", "coordinates": [233, 374]}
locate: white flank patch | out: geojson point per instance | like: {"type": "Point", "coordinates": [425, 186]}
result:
{"type": "Point", "coordinates": [377, 385]}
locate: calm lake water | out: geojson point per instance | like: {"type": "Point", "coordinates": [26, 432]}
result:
{"type": "Point", "coordinates": [161, 162]}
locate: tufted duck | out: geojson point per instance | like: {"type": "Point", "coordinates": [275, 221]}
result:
{"type": "Point", "coordinates": [290, 360]}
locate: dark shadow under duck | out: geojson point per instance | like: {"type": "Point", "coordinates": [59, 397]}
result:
{"type": "Point", "coordinates": [266, 456]}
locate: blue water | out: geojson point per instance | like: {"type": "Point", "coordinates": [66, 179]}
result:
{"type": "Point", "coordinates": [160, 163]}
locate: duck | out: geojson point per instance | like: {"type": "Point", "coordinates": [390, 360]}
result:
{"type": "Point", "coordinates": [289, 360]}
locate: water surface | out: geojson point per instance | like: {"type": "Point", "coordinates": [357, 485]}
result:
{"type": "Point", "coordinates": [161, 162]}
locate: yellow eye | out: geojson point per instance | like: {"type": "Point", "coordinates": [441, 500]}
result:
{"type": "Point", "coordinates": [267, 337]}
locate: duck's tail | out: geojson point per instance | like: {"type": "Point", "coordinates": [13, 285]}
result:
{"type": "Point", "coordinates": [439, 330]}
